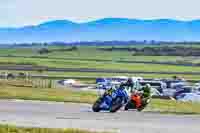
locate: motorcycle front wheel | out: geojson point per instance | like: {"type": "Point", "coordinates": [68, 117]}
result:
{"type": "Point", "coordinates": [96, 105]}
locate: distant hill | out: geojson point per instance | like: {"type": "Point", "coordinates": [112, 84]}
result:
{"type": "Point", "coordinates": [107, 29]}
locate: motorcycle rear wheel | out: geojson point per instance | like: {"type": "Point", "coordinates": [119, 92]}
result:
{"type": "Point", "coordinates": [130, 105]}
{"type": "Point", "coordinates": [142, 107]}
{"type": "Point", "coordinates": [117, 104]}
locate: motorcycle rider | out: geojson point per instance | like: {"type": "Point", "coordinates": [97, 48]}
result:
{"type": "Point", "coordinates": [146, 92]}
{"type": "Point", "coordinates": [129, 85]}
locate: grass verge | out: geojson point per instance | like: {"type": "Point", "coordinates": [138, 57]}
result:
{"type": "Point", "coordinates": [9, 91]}
{"type": "Point", "coordinates": [173, 107]}
{"type": "Point", "coordinates": [12, 91]}
{"type": "Point", "coordinates": [13, 129]}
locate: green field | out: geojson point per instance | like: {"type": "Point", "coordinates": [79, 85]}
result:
{"type": "Point", "coordinates": [90, 57]}
{"type": "Point", "coordinates": [99, 65]}
{"type": "Point", "coordinates": [92, 53]}
{"type": "Point", "coordinates": [92, 75]}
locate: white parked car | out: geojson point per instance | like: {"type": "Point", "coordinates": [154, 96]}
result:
{"type": "Point", "coordinates": [189, 97]}
{"type": "Point", "coordinates": [67, 82]}
{"type": "Point", "coordinates": [137, 78]}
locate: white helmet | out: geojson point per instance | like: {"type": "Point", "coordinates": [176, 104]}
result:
{"type": "Point", "coordinates": [148, 85]}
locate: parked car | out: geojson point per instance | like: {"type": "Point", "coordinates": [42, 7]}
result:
{"type": "Point", "coordinates": [185, 89]}
{"type": "Point", "coordinates": [172, 86]}
{"type": "Point", "coordinates": [189, 97]}
{"type": "Point", "coordinates": [101, 80]}
{"type": "Point", "coordinates": [172, 83]}
{"type": "Point", "coordinates": [119, 79]}
{"type": "Point", "coordinates": [137, 78]}
{"type": "Point", "coordinates": [67, 82]}
{"type": "Point", "coordinates": [197, 87]}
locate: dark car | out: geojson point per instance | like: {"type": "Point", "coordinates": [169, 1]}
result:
{"type": "Point", "coordinates": [101, 80]}
{"type": "Point", "coordinates": [186, 89]}
{"type": "Point", "coordinates": [172, 83]}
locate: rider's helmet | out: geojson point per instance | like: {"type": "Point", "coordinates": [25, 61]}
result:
{"type": "Point", "coordinates": [130, 81]}
{"type": "Point", "coordinates": [148, 86]}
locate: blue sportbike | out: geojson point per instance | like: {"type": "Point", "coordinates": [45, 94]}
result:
{"type": "Point", "coordinates": [112, 100]}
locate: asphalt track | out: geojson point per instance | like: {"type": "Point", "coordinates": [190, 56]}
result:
{"type": "Point", "coordinates": [70, 115]}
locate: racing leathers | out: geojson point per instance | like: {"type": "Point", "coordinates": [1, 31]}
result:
{"type": "Point", "coordinates": [146, 92]}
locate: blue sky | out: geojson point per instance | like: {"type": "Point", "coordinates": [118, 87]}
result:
{"type": "Point", "coordinates": [15, 13]}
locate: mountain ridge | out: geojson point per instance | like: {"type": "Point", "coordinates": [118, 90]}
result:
{"type": "Point", "coordinates": [106, 29]}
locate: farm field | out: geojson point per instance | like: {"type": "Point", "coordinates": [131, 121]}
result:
{"type": "Point", "coordinates": [98, 65]}
{"type": "Point", "coordinates": [89, 52]}
{"type": "Point", "coordinates": [91, 58]}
